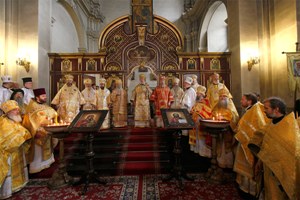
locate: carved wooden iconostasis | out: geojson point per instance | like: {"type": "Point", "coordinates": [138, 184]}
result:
{"type": "Point", "coordinates": [125, 52]}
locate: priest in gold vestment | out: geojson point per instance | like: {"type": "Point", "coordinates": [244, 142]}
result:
{"type": "Point", "coordinates": [277, 146]}
{"type": "Point", "coordinates": [68, 100]}
{"type": "Point", "coordinates": [162, 98]}
{"type": "Point", "coordinates": [225, 111]}
{"type": "Point", "coordinates": [14, 144]}
{"type": "Point", "coordinates": [39, 114]}
{"type": "Point", "coordinates": [118, 98]}
{"type": "Point", "coordinates": [140, 99]}
{"type": "Point", "coordinates": [197, 136]}
{"type": "Point", "coordinates": [89, 95]}
{"type": "Point", "coordinates": [253, 120]}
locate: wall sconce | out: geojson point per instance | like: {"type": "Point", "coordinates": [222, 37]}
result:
{"type": "Point", "coordinates": [23, 62]}
{"type": "Point", "coordinates": [252, 61]}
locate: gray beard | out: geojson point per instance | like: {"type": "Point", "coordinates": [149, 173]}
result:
{"type": "Point", "coordinates": [223, 103]}
{"type": "Point", "coordinates": [15, 118]}
{"type": "Point", "coordinates": [20, 102]}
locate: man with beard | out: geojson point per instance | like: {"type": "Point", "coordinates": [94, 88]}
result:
{"type": "Point", "coordinates": [103, 102]}
{"type": "Point", "coordinates": [89, 95]}
{"type": "Point", "coordinates": [28, 92]}
{"type": "Point", "coordinates": [162, 98]}
{"type": "Point", "coordinates": [39, 114]}
{"type": "Point", "coordinates": [140, 100]}
{"type": "Point", "coordinates": [189, 97]}
{"type": "Point", "coordinates": [14, 144]}
{"type": "Point", "coordinates": [5, 89]}
{"type": "Point", "coordinates": [18, 96]}
{"type": "Point", "coordinates": [277, 146]}
{"type": "Point", "coordinates": [197, 136]}
{"type": "Point", "coordinates": [225, 111]}
{"type": "Point", "coordinates": [213, 90]}
{"type": "Point", "coordinates": [253, 120]}
{"type": "Point", "coordinates": [68, 100]}
{"type": "Point", "coordinates": [118, 99]}
{"type": "Point", "coordinates": [177, 93]}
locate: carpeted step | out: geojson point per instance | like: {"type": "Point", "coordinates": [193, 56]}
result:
{"type": "Point", "coordinates": [130, 168]}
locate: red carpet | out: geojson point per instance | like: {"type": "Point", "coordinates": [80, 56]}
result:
{"type": "Point", "coordinates": [147, 187]}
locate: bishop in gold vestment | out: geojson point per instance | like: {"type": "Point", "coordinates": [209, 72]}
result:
{"type": "Point", "coordinates": [39, 114]}
{"type": "Point", "coordinates": [103, 102]}
{"type": "Point", "coordinates": [14, 144]}
{"type": "Point", "coordinates": [68, 100]}
{"type": "Point", "coordinates": [177, 93]}
{"type": "Point", "coordinates": [140, 99]}
{"type": "Point", "coordinates": [213, 91]}
{"type": "Point", "coordinates": [89, 95]}
{"type": "Point", "coordinates": [225, 111]}
{"type": "Point", "coordinates": [118, 98]}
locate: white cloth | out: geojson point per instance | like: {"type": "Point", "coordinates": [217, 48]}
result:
{"type": "Point", "coordinates": [6, 189]}
{"type": "Point", "coordinates": [38, 164]}
{"type": "Point", "coordinates": [189, 99]}
{"type": "Point", "coordinates": [102, 104]}
{"type": "Point", "coordinates": [5, 94]}
{"type": "Point", "coordinates": [177, 93]}
{"type": "Point", "coordinates": [28, 95]}
{"type": "Point", "coordinates": [89, 95]}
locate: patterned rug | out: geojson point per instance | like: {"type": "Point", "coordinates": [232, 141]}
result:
{"type": "Point", "coordinates": [117, 187]}
{"type": "Point", "coordinates": [199, 189]}
{"type": "Point", "coordinates": [143, 187]}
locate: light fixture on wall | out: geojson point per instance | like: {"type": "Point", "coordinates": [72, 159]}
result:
{"type": "Point", "coordinates": [23, 62]}
{"type": "Point", "coordinates": [252, 61]}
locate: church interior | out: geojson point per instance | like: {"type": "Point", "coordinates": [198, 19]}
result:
{"type": "Point", "coordinates": [252, 45]}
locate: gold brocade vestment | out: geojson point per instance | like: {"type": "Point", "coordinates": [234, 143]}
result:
{"type": "Point", "coordinates": [14, 141]}
{"type": "Point", "coordinates": [213, 93]}
{"type": "Point", "coordinates": [280, 153]}
{"type": "Point", "coordinates": [36, 116]}
{"type": "Point", "coordinates": [89, 95]}
{"type": "Point", "coordinates": [177, 93]}
{"type": "Point", "coordinates": [118, 97]}
{"type": "Point", "coordinates": [140, 97]}
{"type": "Point", "coordinates": [253, 120]}
{"type": "Point", "coordinates": [68, 99]}
{"type": "Point", "coordinates": [225, 144]}
{"type": "Point", "coordinates": [103, 101]}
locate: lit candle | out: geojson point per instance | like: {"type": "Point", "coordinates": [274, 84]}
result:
{"type": "Point", "coordinates": [213, 118]}
{"type": "Point", "coordinates": [55, 118]}
{"type": "Point", "coordinates": [61, 121]}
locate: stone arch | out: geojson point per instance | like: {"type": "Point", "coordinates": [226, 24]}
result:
{"type": "Point", "coordinates": [207, 23]}
{"type": "Point", "coordinates": [79, 26]}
